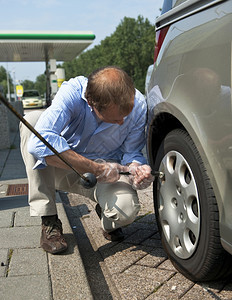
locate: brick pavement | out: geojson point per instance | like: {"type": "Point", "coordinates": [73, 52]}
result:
{"type": "Point", "coordinates": [136, 268]}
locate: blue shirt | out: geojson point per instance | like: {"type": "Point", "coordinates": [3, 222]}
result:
{"type": "Point", "coordinates": [70, 123]}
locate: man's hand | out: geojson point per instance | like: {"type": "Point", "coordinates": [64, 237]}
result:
{"type": "Point", "coordinates": [140, 177]}
{"type": "Point", "coordinates": [110, 171]}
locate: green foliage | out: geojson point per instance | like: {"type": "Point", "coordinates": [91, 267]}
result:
{"type": "Point", "coordinates": [28, 85]}
{"type": "Point", "coordinates": [130, 47]}
{"type": "Point", "coordinates": [3, 81]}
{"type": "Point", "coordinates": [39, 84]}
{"type": "Point", "coordinates": [2, 74]}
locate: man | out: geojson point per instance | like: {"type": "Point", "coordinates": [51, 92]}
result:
{"type": "Point", "coordinates": [98, 125]}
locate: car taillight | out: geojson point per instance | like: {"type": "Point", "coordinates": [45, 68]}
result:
{"type": "Point", "coordinates": [160, 35]}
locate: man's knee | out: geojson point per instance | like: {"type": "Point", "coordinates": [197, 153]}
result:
{"type": "Point", "coordinates": [123, 212]}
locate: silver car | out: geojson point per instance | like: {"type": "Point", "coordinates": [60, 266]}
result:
{"type": "Point", "coordinates": [190, 135]}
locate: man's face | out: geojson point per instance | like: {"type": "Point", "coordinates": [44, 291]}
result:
{"type": "Point", "coordinates": [111, 115]}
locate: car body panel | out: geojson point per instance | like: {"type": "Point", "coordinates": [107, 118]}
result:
{"type": "Point", "coordinates": [191, 87]}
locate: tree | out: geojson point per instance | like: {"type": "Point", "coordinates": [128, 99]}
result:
{"type": "Point", "coordinates": [3, 81]}
{"type": "Point", "coordinates": [136, 50]}
{"type": "Point", "coordinates": [40, 84]}
{"type": "Point", "coordinates": [3, 75]}
{"type": "Point", "coordinates": [28, 85]}
{"type": "Point", "coordinates": [130, 47]}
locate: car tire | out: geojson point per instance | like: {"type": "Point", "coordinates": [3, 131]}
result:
{"type": "Point", "coordinates": [187, 211]}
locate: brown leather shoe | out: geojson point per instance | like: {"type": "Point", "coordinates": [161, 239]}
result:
{"type": "Point", "coordinates": [114, 236]}
{"type": "Point", "coordinates": [52, 239]}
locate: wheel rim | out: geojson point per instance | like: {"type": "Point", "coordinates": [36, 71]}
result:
{"type": "Point", "coordinates": [178, 205]}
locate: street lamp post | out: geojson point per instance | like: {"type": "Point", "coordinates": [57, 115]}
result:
{"type": "Point", "coordinates": [14, 85]}
{"type": "Point", "coordinates": [8, 83]}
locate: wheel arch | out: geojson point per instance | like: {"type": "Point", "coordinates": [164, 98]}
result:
{"type": "Point", "coordinates": [160, 126]}
{"type": "Point", "coordinates": [169, 119]}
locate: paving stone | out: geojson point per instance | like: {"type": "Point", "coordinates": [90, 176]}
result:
{"type": "Point", "coordinates": [28, 262]}
{"type": "Point", "coordinates": [146, 200]}
{"type": "Point", "coordinates": [3, 260]}
{"type": "Point", "coordinates": [153, 259]}
{"type": "Point", "coordinates": [197, 292]}
{"type": "Point", "coordinates": [7, 174]}
{"type": "Point", "coordinates": [147, 218]}
{"type": "Point", "coordinates": [22, 218]}
{"type": "Point", "coordinates": [92, 225]}
{"type": "Point", "coordinates": [139, 282]}
{"type": "Point", "coordinates": [20, 237]}
{"type": "Point", "coordinates": [133, 288]}
{"type": "Point", "coordinates": [6, 219]}
{"type": "Point", "coordinates": [3, 156]}
{"type": "Point", "coordinates": [35, 287]}
{"type": "Point", "coordinates": [173, 288]}
{"type": "Point", "coordinates": [139, 236]}
{"type": "Point", "coordinates": [13, 203]}
{"type": "Point", "coordinates": [68, 276]}
{"type": "Point", "coordinates": [151, 242]}
{"type": "Point", "coordinates": [123, 256]}
{"type": "Point", "coordinates": [145, 272]}
{"type": "Point", "coordinates": [167, 265]}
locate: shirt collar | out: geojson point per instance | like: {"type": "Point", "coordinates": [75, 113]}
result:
{"type": "Point", "coordinates": [84, 86]}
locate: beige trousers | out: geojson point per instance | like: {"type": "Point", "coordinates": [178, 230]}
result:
{"type": "Point", "coordinates": [118, 201]}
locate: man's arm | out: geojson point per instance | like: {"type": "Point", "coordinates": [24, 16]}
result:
{"type": "Point", "coordinates": [79, 163]}
{"type": "Point", "coordinates": [104, 172]}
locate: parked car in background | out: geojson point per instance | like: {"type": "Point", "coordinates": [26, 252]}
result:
{"type": "Point", "coordinates": [32, 99]}
{"type": "Point", "coordinates": [190, 135]}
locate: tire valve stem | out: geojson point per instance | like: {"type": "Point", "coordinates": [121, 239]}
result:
{"type": "Point", "coordinates": [158, 174]}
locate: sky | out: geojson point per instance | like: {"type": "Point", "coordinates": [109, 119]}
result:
{"type": "Point", "coordinates": [99, 16]}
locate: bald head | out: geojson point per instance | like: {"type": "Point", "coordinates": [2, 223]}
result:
{"type": "Point", "coordinates": [110, 85]}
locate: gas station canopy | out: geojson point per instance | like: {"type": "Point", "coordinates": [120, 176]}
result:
{"type": "Point", "coordinates": [34, 46]}
{"type": "Point", "coordinates": [41, 46]}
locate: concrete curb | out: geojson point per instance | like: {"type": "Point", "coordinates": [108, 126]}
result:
{"type": "Point", "coordinates": [68, 276]}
